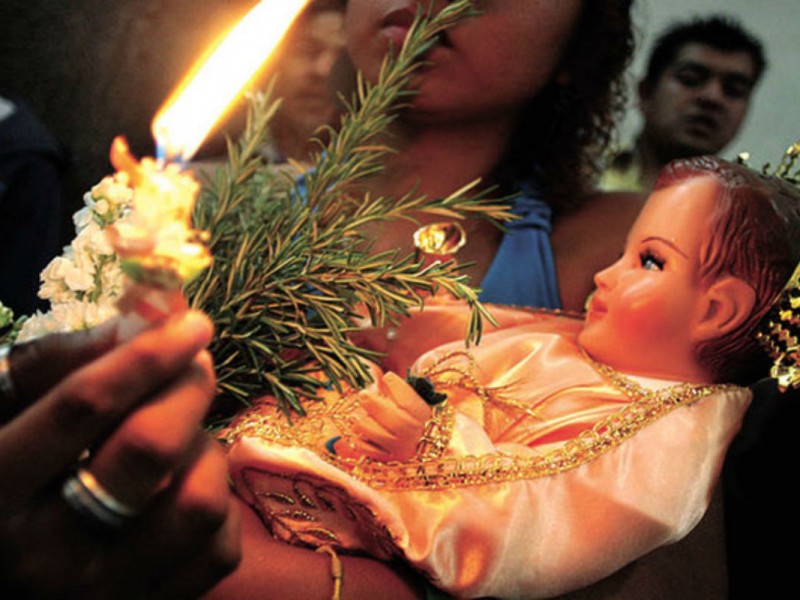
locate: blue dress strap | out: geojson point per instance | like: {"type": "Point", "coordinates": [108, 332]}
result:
{"type": "Point", "coordinates": [523, 272]}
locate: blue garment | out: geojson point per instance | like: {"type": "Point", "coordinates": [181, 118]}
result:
{"type": "Point", "coordinates": [523, 272]}
{"type": "Point", "coordinates": [32, 163]}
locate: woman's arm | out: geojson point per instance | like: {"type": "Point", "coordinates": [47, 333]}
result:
{"type": "Point", "coordinates": [272, 569]}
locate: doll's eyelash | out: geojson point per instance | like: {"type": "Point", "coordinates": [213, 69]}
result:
{"type": "Point", "coordinates": [651, 261]}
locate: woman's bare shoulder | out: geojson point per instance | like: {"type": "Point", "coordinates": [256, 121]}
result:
{"type": "Point", "coordinates": [589, 239]}
{"type": "Point", "coordinates": [616, 209]}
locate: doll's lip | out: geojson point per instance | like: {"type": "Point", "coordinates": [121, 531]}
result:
{"type": "Point", "coordinates": [597, 308]}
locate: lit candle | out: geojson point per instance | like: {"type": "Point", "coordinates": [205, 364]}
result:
{"type": "Point", "coordinates": [157, 245]}
{"type": "Point", "coordinates": [210, 89]}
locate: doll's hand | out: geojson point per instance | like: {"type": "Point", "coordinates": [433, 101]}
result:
{"type": "Point", "coordinates": [395, 419]}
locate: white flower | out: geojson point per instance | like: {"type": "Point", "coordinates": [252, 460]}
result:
{"type": "Point", "coordinates": [54, 286]}
{"type": "Point", "coordinates": [55, 291]}
{"type": "Point", "coordinates": [82, 217]}
{"type": "Point", "coordinates": [101, 207]}
{"type": "Point", "coordinates": [35, 326]}
{"type": "Point", "coordinates": [92, 239]}
{"type": "Point", "coordinates": [69, 316]}
{"type": "Point", "coordinates": [79, 280]}
{"type": "Point", "coordinates": [111, 197]}
{"type": "Point", "coordinates": [111, 280]}
{"type": "Point", "coordinates": [77, 273]}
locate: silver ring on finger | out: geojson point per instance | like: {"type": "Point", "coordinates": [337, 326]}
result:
{"type": "Point", "coordinates": [84, 494]}
{"type": "Point", "coordinates": [8, 392]}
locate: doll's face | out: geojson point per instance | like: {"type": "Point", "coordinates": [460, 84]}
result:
{"type": "Point", "coordinates": [644, 316]}
{"type": "Point", "coordinates": [494, 62]}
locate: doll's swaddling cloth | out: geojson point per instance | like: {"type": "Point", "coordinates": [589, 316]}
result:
{"type": "Point", "coordinates": [572, 477]}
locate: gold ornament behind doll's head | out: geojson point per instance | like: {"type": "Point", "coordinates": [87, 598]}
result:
{"type": "Point", "coordinates": [780, 334]}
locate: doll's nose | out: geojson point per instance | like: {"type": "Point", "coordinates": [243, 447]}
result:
{"type": "Point", "coordinates": [604, 279]}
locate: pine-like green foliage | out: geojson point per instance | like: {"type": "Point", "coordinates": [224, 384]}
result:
{"type": "Point", "coordinates": [289, 274]}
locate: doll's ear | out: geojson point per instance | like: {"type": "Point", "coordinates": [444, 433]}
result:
{"type": "Point", "coordinates": [727, 303]}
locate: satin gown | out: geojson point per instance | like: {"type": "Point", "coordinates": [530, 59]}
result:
{"type": "Point", "coordinates": [556, 471]}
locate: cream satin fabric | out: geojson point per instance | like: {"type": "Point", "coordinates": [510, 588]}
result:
{"type": "Point", "coordinates": [527, 538]}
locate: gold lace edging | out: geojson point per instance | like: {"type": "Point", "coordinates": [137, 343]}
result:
{"type": "Point", "coordinates": [454, 472]}
{"type": "Point", "coordinates": [499, 468]}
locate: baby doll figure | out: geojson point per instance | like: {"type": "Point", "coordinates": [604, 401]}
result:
{"type": "Point", "coordinates": [565, 449]}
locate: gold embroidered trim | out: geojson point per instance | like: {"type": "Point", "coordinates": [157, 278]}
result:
{"type": "Point", "coordinates": [322, 421]}
{"type": "Point", "coordinates": [331, 517]}
{"type": "Point", "coordinates": [499, 468]}
{"type": "Point", "coordinates": [447, 376]}
{"type": "Point", "coordinates": [434, 472]}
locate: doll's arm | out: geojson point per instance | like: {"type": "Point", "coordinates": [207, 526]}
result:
{"type": "Point", "coordinates": [273, 569]}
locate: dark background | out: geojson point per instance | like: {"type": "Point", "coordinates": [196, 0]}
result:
{"type": "Point", "coordinates": [94, 69]}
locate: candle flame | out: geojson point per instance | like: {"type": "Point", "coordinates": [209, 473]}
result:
{"type": "Point", "coordinates": [203, 97]}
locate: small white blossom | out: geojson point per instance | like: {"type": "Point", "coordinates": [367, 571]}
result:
{"type": "Point", "coordinates": [112, 280]}
{"type": "Point", "coordinates": [92, 239]}
{"type": "Point", "coordinates": [82, 218]}
{"type": "Point", "coordinates": [101, 207]}
{"type": "Point", "coordinates": [54, 286]}
{"type": "Point", "coordinates": [68, 316]}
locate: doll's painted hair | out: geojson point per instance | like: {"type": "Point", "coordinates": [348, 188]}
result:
{"type": "Point", "coordinates": [754, 236]}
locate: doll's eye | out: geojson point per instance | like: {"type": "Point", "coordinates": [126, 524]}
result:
{"type": "Point", "coordinates": [651, 261]}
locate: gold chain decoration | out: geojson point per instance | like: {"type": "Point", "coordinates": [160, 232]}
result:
{"type": "Point", "coordinates": [437, 433]}
{"type": "Point", "coordinates": [448, 376]}
{"type": "Point", "coordinates": [606, 435]}
{"type": "Point", "coordinates": [432, 471]}
{"type": "Point", "coordinates": [632, 389]}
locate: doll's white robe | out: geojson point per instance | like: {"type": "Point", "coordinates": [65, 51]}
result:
{"type": "Point", "coordinates": [518, 532]}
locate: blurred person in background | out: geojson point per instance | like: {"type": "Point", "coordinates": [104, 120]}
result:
{"type": "Point", "coordinates": [303, 68]}
{"type": "Point", "coordinates": [31, 204]}
{"type": "Point", "coordinates": [693, 99]}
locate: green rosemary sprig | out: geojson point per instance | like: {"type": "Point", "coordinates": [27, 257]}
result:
{"type": "Point", "coordinates": [292, 271]}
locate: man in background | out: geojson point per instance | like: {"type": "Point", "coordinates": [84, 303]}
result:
{"type": "Point", "coordinates": [693, 98]}
{"type": "Point", "coordinates": [302, 73]}
{"type": "Point", "coordinates": [303, 67]}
